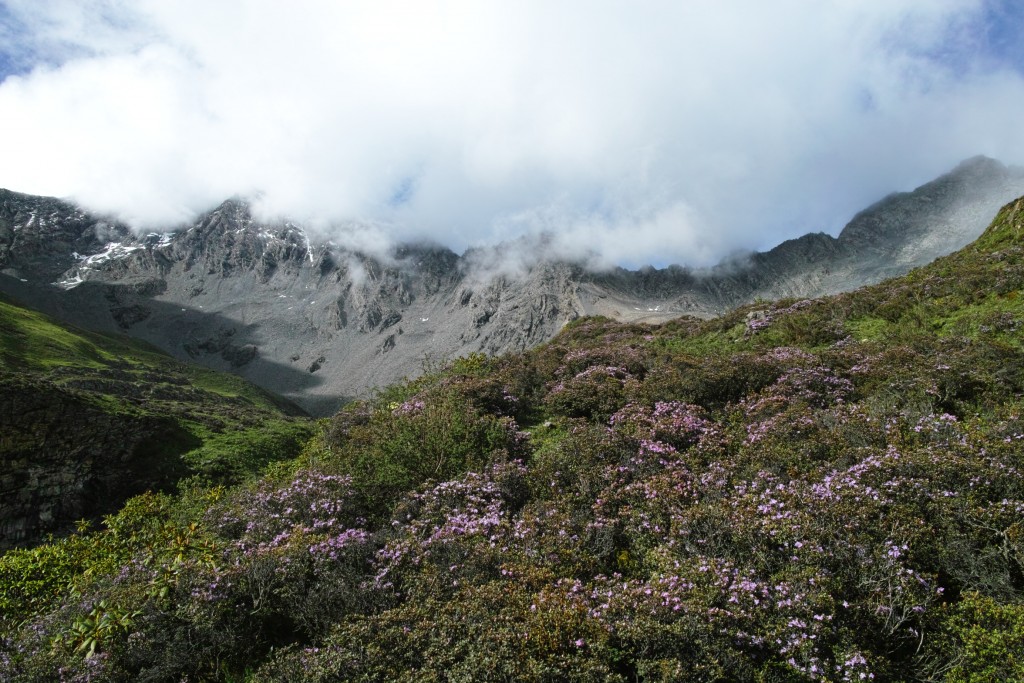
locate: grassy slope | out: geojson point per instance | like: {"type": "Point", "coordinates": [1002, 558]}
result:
{"type": "Point", "coordinates": [32, 342]}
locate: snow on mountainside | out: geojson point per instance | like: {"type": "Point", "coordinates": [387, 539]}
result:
{"type": "Point", "coordinates": [318, 323]}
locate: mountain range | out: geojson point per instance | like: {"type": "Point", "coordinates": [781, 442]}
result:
{"type": "Point", "coordinates": [320, 323]}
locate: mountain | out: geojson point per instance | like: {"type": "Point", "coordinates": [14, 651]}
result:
{"type": "Point", "coordinates": [902, 231]}
{"type": "Point", "coordinates": [319, 323]}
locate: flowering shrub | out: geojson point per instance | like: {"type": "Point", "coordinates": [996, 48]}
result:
{"type": "Point", "coordinates": [403, 445]}
{"type": "Point", "coordinates": [788, 403]}
{"type": "Point", "coordinates": [670, 422]}
{"type": "Point", "coordinates": [712, 381]}
{"type": "Point", "coordinates": [267, 513]}
{"type": "Point", "coordinates": [596, 392]}
{"type": "Point", "coordinates": [631, 359]}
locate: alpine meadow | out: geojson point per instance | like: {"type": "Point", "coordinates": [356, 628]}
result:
{"type": "Point", "coordinates": [815, 489]}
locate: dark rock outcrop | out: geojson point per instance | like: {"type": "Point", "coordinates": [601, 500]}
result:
{"type": "Point", "coordinates": [63, 457]}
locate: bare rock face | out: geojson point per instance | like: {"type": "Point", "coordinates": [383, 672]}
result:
{"type": "Point", "coordinates": [63, 458]}
{"type": "Point", "coordinates": [889, 238]}
{"type": "Point", "coordinates": [45, 237]}
{"type": "Point", "coordinates": [319, 323]}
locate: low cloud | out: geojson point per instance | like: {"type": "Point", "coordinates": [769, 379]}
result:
{"type": "Point", "coordinates": [675, 132]}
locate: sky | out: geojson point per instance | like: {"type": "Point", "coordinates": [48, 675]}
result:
{"type": "Point", "coordinates": [640, 132]}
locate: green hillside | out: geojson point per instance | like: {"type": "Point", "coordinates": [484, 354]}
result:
{"type": "Point", "coordinates": [33, 343]}
{"type": "Point", "coordinates": [92, 419]}
{"type": "Point", "coordinates": [819, 490]}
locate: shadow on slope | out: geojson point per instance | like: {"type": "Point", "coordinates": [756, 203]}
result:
{"type": "Point", "coordinates": [188, 334]}
{"type": "Point", "coordinates": [90, 419]}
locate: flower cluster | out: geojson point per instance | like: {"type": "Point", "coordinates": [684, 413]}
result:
{"type": "Point", "coordinates": [267, 514]}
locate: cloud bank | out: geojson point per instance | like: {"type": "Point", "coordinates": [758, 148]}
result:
{"type": "Point", "coordinates": [652, 133]}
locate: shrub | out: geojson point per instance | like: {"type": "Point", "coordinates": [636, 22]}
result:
{"type": "Point", "coordinates": [982, 642]}
{"type": "Point", "coordinates": [437, 437]}
{"type": "Point", "coordinates": [594, 393]}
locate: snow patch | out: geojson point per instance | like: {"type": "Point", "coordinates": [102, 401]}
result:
{"type": "Point", "coordinates": [111, 251]}
{"type": "Point", "coordinates": [28, 223]}
{"type": "Point", "coordinates": [70, 282]}
{"type": "Point", "coordinates": [163, 238]}
{"type": "Point", "coordinates": [309, 247]}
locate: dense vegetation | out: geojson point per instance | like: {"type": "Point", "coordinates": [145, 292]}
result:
{"type": "Point", "coordinates": [798, 491]}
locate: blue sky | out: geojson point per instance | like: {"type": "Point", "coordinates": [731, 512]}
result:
{"type": "Point", "coordinates": [12, 60]}
{"type": "Point", "coordinates": [653, 133]}
{"type": "Point", "coordinates": [1003, 21]}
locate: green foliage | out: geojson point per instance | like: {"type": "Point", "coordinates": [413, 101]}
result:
{"type": "Point", "coordinates": [32, 580]}
{"type": "Point", "coordinates": [434, 437]}
{"type": "Point", "coordinates": [229, 457]}
{"type": "Point", "coordinates": [475, 365]}
{"type": "Point", "coordinates": [96, 629]}
{"type": "Point", "coordinates": [982, 641]}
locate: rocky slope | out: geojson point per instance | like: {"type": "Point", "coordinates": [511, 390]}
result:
{"type": "Point", "coordinates": [319, 323]}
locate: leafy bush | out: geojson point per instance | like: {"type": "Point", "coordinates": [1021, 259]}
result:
{"type": "Point", "coordinates": [595, 393]}
{"type": "Point", "coordinates": [433, 437]}
{"type": "Point", "coordinates": [982, 642]}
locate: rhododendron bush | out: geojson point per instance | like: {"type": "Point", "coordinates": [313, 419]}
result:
{"type": "Point", "coordinates": [828, 490]}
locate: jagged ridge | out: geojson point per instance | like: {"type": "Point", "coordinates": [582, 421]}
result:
{"type": "Point", "coordinates": [319, 322]}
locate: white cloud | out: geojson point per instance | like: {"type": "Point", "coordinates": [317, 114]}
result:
{"type": "Point", "coordinates": [658, 132]}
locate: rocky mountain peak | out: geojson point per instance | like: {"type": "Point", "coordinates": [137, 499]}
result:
{"type": "Point", "coordinates": [318, 322]}
{"type": "Point", "coordinates": [941, 215]}
{"type": "Point", "coordinates": [979, 165]}
{"type": "Point", "coordinates": [42, 237]}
